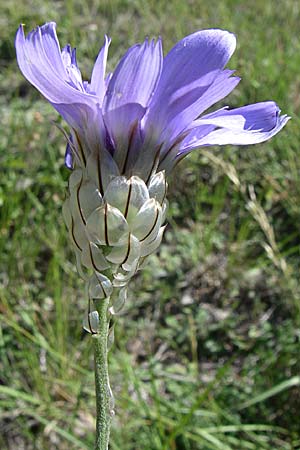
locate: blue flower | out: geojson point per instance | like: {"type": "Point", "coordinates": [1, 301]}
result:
{"type": "Point", "coordinates": [149, 113]}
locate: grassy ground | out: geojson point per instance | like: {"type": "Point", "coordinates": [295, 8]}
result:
{"type": "Point", "coordinates": [206, 354]}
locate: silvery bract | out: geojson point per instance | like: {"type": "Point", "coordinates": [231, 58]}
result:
{"type": "Point", "coordinates": [113, 229]}
{"type": "Point", "coordinates": [127, 130]}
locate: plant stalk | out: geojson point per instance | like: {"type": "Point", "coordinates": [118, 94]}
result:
{"type": "Point", "coordinates": [104, 399]}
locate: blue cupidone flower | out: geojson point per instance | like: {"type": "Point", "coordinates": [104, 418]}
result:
{"type": "Point", "coordinates": [128, 129]}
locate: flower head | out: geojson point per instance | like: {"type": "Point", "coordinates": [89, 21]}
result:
{"type": "Point", "coordinates": [150, 112]}
{"type": "Point", "coordinates": [129, 128]}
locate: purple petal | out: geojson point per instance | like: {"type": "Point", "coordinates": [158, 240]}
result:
{"type": "Point", "coordinates": [69, 60]}
{"type": "Point", "coordinates": [51, 47]}
{"type": "Point", "coordinates": [40, 61]}
{"type": "Point", "coordinates": [190, 69]}
{"type": "Point", "coordinates": [135, 77]}
{"type": "Point", "coordinates": [69, 157]}
{"type": "Point", "coordinates": [77, 115]}
{"type": "Point", "coordinates": [87, 139]}
{"type": "Point", "coordinates": [219, 89]}
{"type": "Point", "coordinates": [250, 124]}
{"type": "Point", "coordinates": [179, 149]}
{"type": "Point", "coordinates": [122, 124]}
{"type": "Point", "coordinates": [97, 85]}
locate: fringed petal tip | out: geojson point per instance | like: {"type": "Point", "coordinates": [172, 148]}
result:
{"type": "Point", "coordinates": [20, 29]}
{"type": "Point", "coordinates": [251, 124]}
{"type": "Point", "coordinates": [54, 73]}
{"type": "Point", "coordinates": [168, 93]}
{"type": "Point", "coordinates": [19, 38]}
{"type": "Point", "coordinates": [136, 76]}
{"type": "Point", "coordinates": [48, 25]}
{"type": "Point", "coordinates": [192, 79]}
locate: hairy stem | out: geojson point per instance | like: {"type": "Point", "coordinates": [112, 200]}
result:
{"type": "Point", "coordinates": [103, 392]}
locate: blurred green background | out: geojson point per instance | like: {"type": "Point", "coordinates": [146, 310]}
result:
{"type": "Point", "coordinates": [206, 352]}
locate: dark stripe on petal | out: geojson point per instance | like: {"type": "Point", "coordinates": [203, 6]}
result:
{"type": "Point", "coordinates": [78, 202]}
{"type": "Point", "coordinates": [73, 236]}
{"type": "Point", "coordinates": [80, 148]}
{"type": "Point", "coordinates": [155, 162]}
{"type": "Point", "coordinates": [153, 226]}
{"type": "Point", "coordinates": [99, 174]}
{"type": "Point", "coordinates": [92, 260]}
{"type": "Point", "coordinates": [128, 199]}
{"type": "Point", "coordinates": [131, 136]}
{"type": "Point", "coordinates": [179, 139]}
{"type": "Point", "coordinates": [128, 251]}
{"type": "Point", "coordinates": [105, 225]}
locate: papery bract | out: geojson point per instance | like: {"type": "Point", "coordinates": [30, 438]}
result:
{"type": "Point", "coordinates": [129, 128]}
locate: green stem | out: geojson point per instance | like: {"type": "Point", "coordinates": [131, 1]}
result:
{"type": "Point", "coordinates": [104, 398]}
